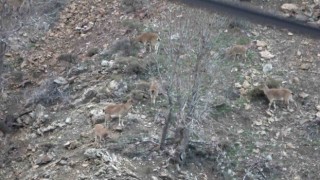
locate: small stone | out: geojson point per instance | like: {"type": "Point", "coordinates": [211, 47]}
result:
{"type": "Point", "coordinates": [247, 106]}
{"type": "Point", "coordinates": [119, 128]}
{"type": "Point", "coordinates": [289, 7]}
{"type": "Point", "coordinates": [298, 53]}
{"type": "Point", "coordinates": [297, 177]}
{"type": "Point", "coordinates": [318, 107]}
{"type": "Point", "coordinates": [256, 151]}
{"type": "Point", "coordinates": [62, 162]}
{"type": "Point", "coordinates": [261, 44]}
{"type": "Point", "coordinates": [8, 54]}
{"type": "Point", "coordinates": [48, 128]}
{"type": "Point", "coordinates": [92, 153]}
{"type": "Point", "coordinates": [237, 85]}
{"type": "Point", "coordinates": [318, 114]}
{"type": "Point", "coordinates": [67, 144]}
{"type": "Point", "coordinates": [305, 66]}
{"type": "Point", "coordinates": [291, 146]}
{"type": "Point", "coordinates": [44, 159]}
{"type": "Point", "coordinates": [97, 116]}
{"type": "Point", "coordinates": [113, 85]}
{"type": "Point", "coordinates": [164, 175]}
{"type": "Point", "coordinates": [61, 80]}
{"type": "Point", "coordinates": [266, 54]}
{"type": "Point", "coordinates": [71, 145]}
{"type": "Point", "coordinates": [269, 157]}
{"type": "Point", "coordinates": [60, 125]}
{"type": "Point", "coordinates": [154, 178]}
{"type": "Point", "coordinates": [104, 63]}
{"type": "Point", "coordinates": [267, 68]}
{"type": "Point", "coordinates": [68, 120]}
{"type": "Point", "coordinates": [243, 91]}
{"type": "Point", "coordinates": [303, 95]}
{"type": "Point", "coordinates": [258, 122]}
{"type": "Point", "coordinates": [296, 80]}
{"type": "Point", "coordinates": [85, 165]}
{"type": "Point", "coordinates": [290, 33]}
{"type": "Point", "coordinates": [246, 84]}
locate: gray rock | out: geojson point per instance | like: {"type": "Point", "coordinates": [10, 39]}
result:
{"type": "Point", "coordinates": [267, 68]}
{"type": "Point", "coordinates": [104, 63]}
{"type": "Point", "coordinates": [92, 153]}
{"type": "Point", "coordinates": [68, 120]}
{"type": "Point", "coordinates": [289, 7]}
{"type": "Point", "coordinates": [89, 95]}
{"type": "Point", "coordinates": [71, 145]}
{"type": "Point", "coordinates": [97, 116]}
{"type": "Point", "coordinates": [47, 129]}
{"type": "Point", "coordinates": [61, 80]}
{"type": "Point", "coordinates": [62, 162]}
{"type": "Point", "coordinates": [44, 159]}
{"type": "Point", "coordinates": [117, 88]}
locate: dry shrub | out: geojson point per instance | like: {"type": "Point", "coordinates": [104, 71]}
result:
{"type": "Point", "coordinates": [126, 47]}
{"type": "Point", "coordinates": [48, 94]}
{"type": "Point", "coordinates": [68, 58]}
{"type": "Point", "coordinates": [132, 5]}
{"type": "Point", "coordinates": [93, 51]}
{"type": "Point", "coordinates": [256, 94]}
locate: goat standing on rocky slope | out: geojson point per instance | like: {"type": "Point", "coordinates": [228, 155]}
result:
{"type": "Point", "coordinates": [149, 39]}
{"type": "Point", "coordinates": [281, 94]}
{"type": "Point", "coordinates": [118, 110]}
{"type": "Point", "coordinates": [100, 132]}
{"type": "Point", "coordinates": [237, 51]}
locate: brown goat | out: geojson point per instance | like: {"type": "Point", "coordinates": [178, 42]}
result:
{"type": "Point", "coordinates": [281, 94]}
{"type": "Point", "coordinates": [100, 132]}
{"type": "Point", "coordinates": [149, 39]}
{"type": "Point", "coordinates": [118, 110]}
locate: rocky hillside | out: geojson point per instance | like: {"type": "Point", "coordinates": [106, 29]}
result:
{"type": "Point", "coordinates": [67, 60]}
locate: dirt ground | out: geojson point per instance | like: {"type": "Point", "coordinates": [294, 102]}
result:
{"type": "Point", "coordinates": [62, 71]}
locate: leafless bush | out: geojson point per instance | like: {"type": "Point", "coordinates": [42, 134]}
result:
{"type": "Point", "coordinates": [19, 14]}
{"type": "Point", "coordinates": [189, 68]}
{"type": "Point", "coordinates": [49, 93]}
{"type": "Point", "coordinates": [133, 5]}
{"type": "Point", "coordinates": [126, 47]}
{"type": "Point", "coordinates": [67, 57]}
{"type": "Point", "coordinates": [190, 63]}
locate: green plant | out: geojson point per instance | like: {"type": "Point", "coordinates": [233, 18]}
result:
{"type": "Point", "coordinates": [243, 40]}
{"type": "Point", "coordinates": [241, 101]}
{"type": "Point", "coordinates": [273, 83]}
{"type": "Point", "coordinates": [133, 25]}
